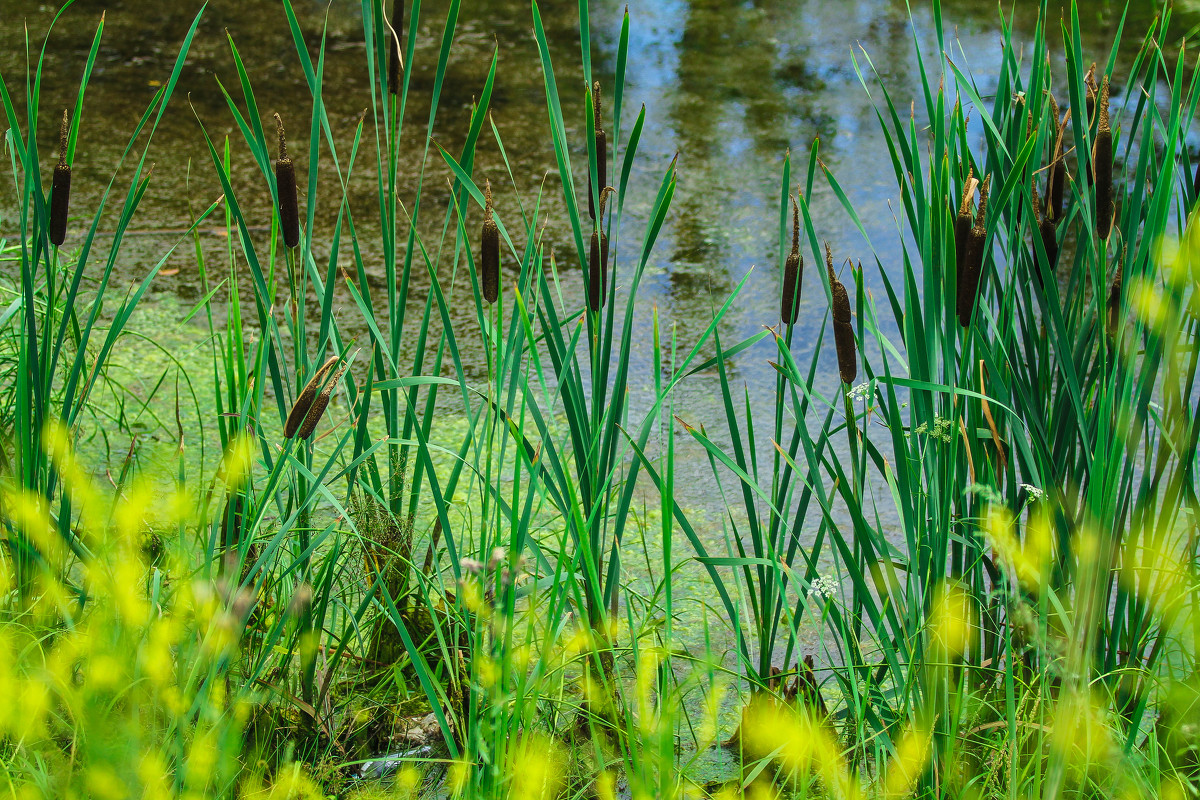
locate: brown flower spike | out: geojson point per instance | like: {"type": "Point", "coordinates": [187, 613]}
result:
{"type": "Point", "coordinates": [793, 273]}
{"type": "Point", "coordinates": [60, 188]}
{"type": "Point", "coordinates": [397, 27]}
{"type": "Point", "coordinates": [489, 251]}
{"type": "Point", "coordinates": [968, 287]}
{"type": "Point", "coordinates": [1102, 157]}
{"type": "Point", "coordinates": [843, 328]}
{"type": "Point", "coordinates": [285, 182]}
{"type": "Point", "coordinates": [305, 406]}
{"type": "Point", "coordinates": [601, 151]}
{"type": "Point", "coordinates": [962, 227]}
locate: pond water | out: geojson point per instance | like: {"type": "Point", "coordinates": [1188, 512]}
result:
{"type": "Point", "coordinates": [728, 88]}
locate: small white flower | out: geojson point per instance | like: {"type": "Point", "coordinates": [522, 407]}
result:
{"type": "Point", "coordinates": [860, 391]}
{"type": "Point", "coordinates": [1034, 492]}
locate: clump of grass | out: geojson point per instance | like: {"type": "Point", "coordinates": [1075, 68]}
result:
{"type": "Point", "coordinates": [793, 273]}
{"type": "Point", "coordinates": [843, 330]}
{"type": "Point", "coordinates": [308, 408]}
{"type": "Point", "coordinates": [489, 250]}
{"type": "Point", "coordinates": [60, 190]}
{"type": "Point", "coordinates": [1102, 158]}
{"type": "Point", "coordinates": [285, 181]}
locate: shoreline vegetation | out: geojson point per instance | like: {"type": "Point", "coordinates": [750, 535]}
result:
{"type": "Point", "coordinates": [369, 597]}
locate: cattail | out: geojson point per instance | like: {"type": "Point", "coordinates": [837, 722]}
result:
{"type": "Point", "coordinates": [1047, 230]}
{"type": "Point", "coordinates": [60, 188]}
{"type": "Point", "coordinates": [598, 263]}
{"type": "Point", "coordinates": [232, 521]}
{"type": "Point", "coordinates": [962, 228]}
{"type": "Point", "coordinates": [1102, 156]}
{"type": "Point", "coordinates": [1057, 180]}
{"type": "Point", "coordinates": [397, 26]}
{"type": "Point", "coordinates": [601, 151]}
{"type": "Point", "coordinates": [1113, 305]}
{"type": "Point", "coordinates": [285, 182]}
{"type": "Point", "coordinates": [843, 329]}
{"type": "Point", "coordinates": [304, 403]}
{"type": "Point", "coordinates": [489, 255]}
{"type": "Point", "coordinates": [968, 288]}
{"type": "Point", "coordinates": [793, 273]}
{"type": "Point", "coordinates": [319, 405]}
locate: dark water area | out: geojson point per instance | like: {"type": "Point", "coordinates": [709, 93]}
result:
{"type": "Point", "coordinates": [729, 88]}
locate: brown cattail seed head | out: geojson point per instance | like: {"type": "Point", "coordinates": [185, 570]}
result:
{"type": "Point", "coordinates": [843, 328]}
{"type": "Point", "coordinates": [489, 252]}
{"type": "Point", "coordinates": [397, 26]}
{"type": "Point", "coordinates": [968, 288]}
{"type": "Point", "coordinates": [1057, 180]}
{"type": "Point", "coordinates": [308, 396]}
{"type": "Point", "coordinates": [793, 273]}
{"type": "Point", "coordinates": [601, 151]}
{"type": "Point", "coordinates": [962, 226]}
{"type": "Point", "coordinates": [1046, 231]}
{"type": "Point", "coordinates": [1102, 156]}
{"type": "Point", "coordinates": [319, 405]}
{"type": "Point", "coordinates": [232, 521]}
{"type": "Point", "coordinates": [1113, 305]}
{"type": "Point", "coordinates": [60, 187]}
{"type": "Point", "coordinates": [285, 184]}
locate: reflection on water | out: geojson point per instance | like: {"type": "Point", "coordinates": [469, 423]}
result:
{"type": "Point", "coordinates": [729, 87]}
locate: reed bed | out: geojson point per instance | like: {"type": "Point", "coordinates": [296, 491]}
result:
{"type": "Point", "coordinates": [365, 595]}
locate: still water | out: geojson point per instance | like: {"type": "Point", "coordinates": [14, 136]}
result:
{"type": "Point", "coordinates": [729, 88]}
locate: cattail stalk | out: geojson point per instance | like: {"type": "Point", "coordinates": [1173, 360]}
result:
{"type": "Point", "coordinates": [601, 151]}
{"type": "Point", "coordinates": [1102, 157]}
{"type": "Point", "coordinates": [793, 273]}
{"type": "Point", "coordinates": [968, 288]}
{"type": "Point", "coordinates": [285, 183]}
{"type": "Point", "coordinates": [489, 251]}
{"type": "Point", "coordinates": [304, 404]}
{"type": "Point", "coordinates": [396, 23]}
{"type": "Point", "coordinates": [60, 188]}
{"type": "Point", "coordinates": [843, 328]}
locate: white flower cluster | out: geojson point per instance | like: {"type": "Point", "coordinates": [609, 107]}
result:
{"type": "Point", "coordinates": [1034, 492]}
{"type": "Point", "coordinates": [860, 391]}
{"type": "Point", "coordinates": [824, 587]}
